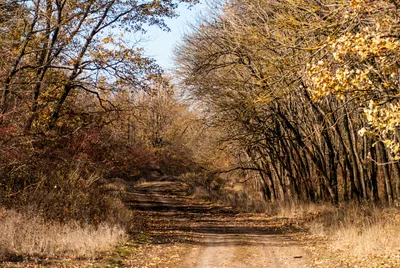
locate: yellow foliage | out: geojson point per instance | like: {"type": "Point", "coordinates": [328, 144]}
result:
{"type": "Point", "coordinates": [361, 63]}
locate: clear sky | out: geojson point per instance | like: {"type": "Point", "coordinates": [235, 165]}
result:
{"type": "Point", "coordinates": [160, 44]}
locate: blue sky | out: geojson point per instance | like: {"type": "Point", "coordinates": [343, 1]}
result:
{"type": "Point", "coordinates": [160, 44]}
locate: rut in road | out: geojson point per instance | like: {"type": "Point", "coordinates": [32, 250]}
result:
{"type": "Point", "coordinates": [215, 236]}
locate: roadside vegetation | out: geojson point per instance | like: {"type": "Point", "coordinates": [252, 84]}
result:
{"type": "Point", "coordinates": [28, 234]}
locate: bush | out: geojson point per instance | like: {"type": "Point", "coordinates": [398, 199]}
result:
{"type": "Point", "coordinates": [63, 178]}
{"type": "Point", "coordinates": [66, 197]}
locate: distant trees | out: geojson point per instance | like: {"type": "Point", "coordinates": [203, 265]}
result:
{"type": "Point", "coordinates": [293, 84]}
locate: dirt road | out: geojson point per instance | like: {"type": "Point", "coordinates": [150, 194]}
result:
{"type": "Point", "coordinates": [211, 236]}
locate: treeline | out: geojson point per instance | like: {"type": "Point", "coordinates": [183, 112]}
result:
{"type": "Point", "coordinates": [305, 92]}
{"type": "Point", "coordinates": [81, 106]}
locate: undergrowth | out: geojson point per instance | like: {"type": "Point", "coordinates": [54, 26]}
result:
{"type": "Point", "coordinates": [359, 230]}
{"type": "Point", "coordinates": [30, 235]}
{"type": "Point", "coordinates": [63, 192]}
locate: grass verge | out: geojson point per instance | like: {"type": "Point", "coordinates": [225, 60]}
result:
{"type": "Point", "coordinates": [31, 236]}
{"type": "Point", "coordinates": [356, 235]}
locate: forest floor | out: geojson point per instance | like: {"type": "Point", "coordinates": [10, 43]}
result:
{"type": "Point", "coordinates": [174, 229]}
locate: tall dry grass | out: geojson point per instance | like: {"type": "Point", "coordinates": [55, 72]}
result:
{"type": "Point", "coordinates": [30, 235]}
{"type": "Point", "coordinates": [359, 230]}
{"type": "Point", "coordinates": [379, 239]}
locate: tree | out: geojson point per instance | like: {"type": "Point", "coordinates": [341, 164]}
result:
{"type": "Point", "coordinates": [248, 64]}
{"type": "Point", "coordinates": [72, 45]}
{"type": "Point", "coordinates": [362, 63]}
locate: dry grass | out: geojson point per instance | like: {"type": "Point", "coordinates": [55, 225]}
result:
{"type": "Point", "coordinates": [30, 235]}
{"type": "Point", "coordinates": [352, 229]}
{"type": "Point", "coordinates": [296, 210]}
{"type": "Point", "coordinates": [379, 239]}
{"type": "Point", "coordinates": [359, 230]}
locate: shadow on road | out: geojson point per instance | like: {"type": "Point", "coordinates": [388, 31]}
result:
{"type": "Point", "coordinates": [171, 216]}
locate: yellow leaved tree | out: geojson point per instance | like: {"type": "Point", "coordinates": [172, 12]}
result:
{"type": "Point", "coordinates": [362, 63]}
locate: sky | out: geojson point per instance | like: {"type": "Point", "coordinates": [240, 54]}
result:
{"type": "Point", "coordinates": [160, 44]}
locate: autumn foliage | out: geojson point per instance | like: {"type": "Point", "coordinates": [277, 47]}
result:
{"type": "Point", "coordinates": [76, 107]}
{"type": "Point", "coordinates": [306, 93]}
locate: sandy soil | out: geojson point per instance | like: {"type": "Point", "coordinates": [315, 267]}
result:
{"type": "Point", "coordinates": [207, 235]}
{"type": "Point", "coordinates": [246, 251]}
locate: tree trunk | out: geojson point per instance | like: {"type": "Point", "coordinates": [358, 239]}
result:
{"type": "Point", "coordinates": [386, 172]}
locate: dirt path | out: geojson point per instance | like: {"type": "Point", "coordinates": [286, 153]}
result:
{"type": "Point", "coordinates": [206, 235]}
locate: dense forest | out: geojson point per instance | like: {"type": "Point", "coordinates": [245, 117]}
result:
{"type": "Point", "coordinates": [272, 101]}
{"type": "Point", "coordinates": [305, 93]}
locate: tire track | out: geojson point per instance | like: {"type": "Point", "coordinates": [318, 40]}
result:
{"type": "Point", "coordinates": [212, 235]}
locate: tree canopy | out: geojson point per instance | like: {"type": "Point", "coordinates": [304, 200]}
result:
{"type": "Point", "coordinates": [59, 48]}
{"type": "Point", "coordinates": [295, 85]}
